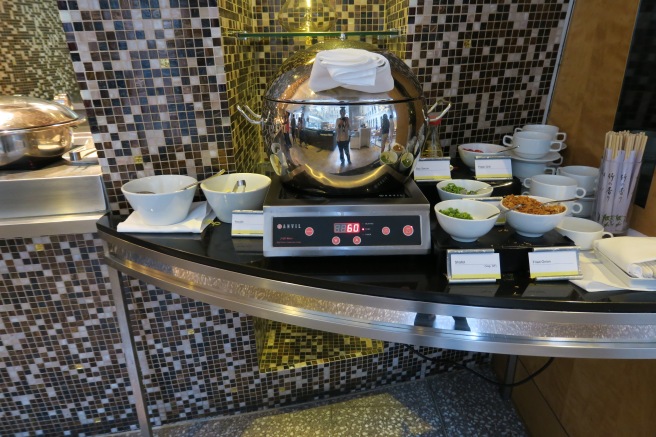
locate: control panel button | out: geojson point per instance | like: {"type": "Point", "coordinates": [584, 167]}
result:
{"type": "Point", "coordinates": [386, 230]}
{"type": "Point", "coordinates": [357, 240]}
{"type": "Point", "coordinates": [336, 241]}
{"type": "Point", "coordinates": [309, 231]}
{"type": "Point", "coordinates": [408, 230]}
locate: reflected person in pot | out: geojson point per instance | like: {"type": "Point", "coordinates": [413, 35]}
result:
{"type": "Point", "coordinates": [343, 127]}
{"type": "Point", "coordinates": [384, 132]}
{"type": "Point", "coordinates": [286, 128]}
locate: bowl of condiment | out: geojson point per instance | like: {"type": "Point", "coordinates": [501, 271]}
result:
{"type": "Point", "coordinates": [389, 157]}
{"type": "Point", "coordinates": [469, 151]}
{"type": "Point", "coordinates": [463, 189]}
{"type": "Point", "coordinates": [406, 160]}
{"type": "Point", "coordinates": [466, 220]}
{"type": "Point", "coordinates": [532, 216]}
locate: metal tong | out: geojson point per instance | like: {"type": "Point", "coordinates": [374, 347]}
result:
{"type": "Point", "coordinates": [240, 186]}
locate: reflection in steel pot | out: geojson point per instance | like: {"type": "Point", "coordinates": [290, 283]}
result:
{"type": "Point", "coordinates": [34, 132]}
{"type": "Point", "coordinates": [301, 128]}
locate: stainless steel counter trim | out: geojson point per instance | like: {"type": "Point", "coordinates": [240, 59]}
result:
{"type": "Point", "coordinates": [500, 342]}
{"type": "Point", "coordinates": [50, 225]}
{"type": "Point", "coordinates": [167, 261]}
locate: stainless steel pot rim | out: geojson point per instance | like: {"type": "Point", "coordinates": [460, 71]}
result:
{"type": "Point", "coordinates": [25, 114]}
{"type": "Point", "coordinates": [344, 102]}
{"type": "Point", "coordinates": [70, 123]}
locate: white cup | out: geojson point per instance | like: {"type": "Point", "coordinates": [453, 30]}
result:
{"type": "Point", "coordinates": [581, 231]}
{"type": "Point", "coordinates": [532, 145]}
{"type": "Point", "coordinates": [555, 187]}
{"type": "Point", "coordinates": [548, 129]}
{"type": "Point", "coordinates": [586, 177]}
{"type": "Point", "coordinates": [524, 169]}
{"type": "Point", "coordinates": [586, 207]}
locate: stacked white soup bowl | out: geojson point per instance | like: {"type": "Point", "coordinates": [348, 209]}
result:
{"type": "Point", "coordinates": [549, 129]}
{"type": "Point", "coordinates": [586, 178]}
{"type": "Point", "coordinates": [536, 148]}
{"type": "Point", "coordinates": [531, 144]}
{"type": "Point", "coordinates": [557, 187]}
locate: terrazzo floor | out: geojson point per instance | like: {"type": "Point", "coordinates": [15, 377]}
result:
{"type": "Point", "coordinates": [457, 403]}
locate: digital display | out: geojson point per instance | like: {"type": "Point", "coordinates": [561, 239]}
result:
{"type": "Point", "coordinates": [346, 228]}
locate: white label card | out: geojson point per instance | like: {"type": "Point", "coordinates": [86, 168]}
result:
{"type": "Point", "coordinates": [554, 263]}
{"type": "Point", "coordinates": [433, 169]}
{"type": "Point", "coordinates": [247, 223]}
{"type": "Point", "coordinates": [474, 265]}
{"type": "Point", "coordinates": [493, 168]}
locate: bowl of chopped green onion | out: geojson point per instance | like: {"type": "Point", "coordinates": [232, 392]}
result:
{"type": "Point", "coordinates": [463, 189]}
{"type": "Point", "coordinates": [466, 220]}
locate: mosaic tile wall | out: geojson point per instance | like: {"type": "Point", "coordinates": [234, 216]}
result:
{"type": "Point", "coordinates": [61, 367]}
{"type": "Point", "coordinates": [34, 58]}
{"type": "Point", "coordinates": [161, 80]}
{"type": "Point", "coordinates": [152, 78]}
{"type": "Point", "coordinates": [494, 60]}
{"type": "Point", "coordinates": [203, 361]}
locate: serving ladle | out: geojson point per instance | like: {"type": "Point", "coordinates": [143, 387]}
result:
{"type": "Point", "coordinates": [521, 204]}
{"type": "Point", "coordinates": [190, 185]}
{"type": "Point", "coordinates": [505, 184]}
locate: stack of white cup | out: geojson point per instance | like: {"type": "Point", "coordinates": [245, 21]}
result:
{"type": "Point", "coordinates": [586, 178]}
{"type": "Point", "coordinates": [557, 187]}
{"type": "Point", "coordinates": [535, 145]}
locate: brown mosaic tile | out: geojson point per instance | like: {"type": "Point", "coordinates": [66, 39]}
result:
{"type": "Point", "coordinates": [61, 367]}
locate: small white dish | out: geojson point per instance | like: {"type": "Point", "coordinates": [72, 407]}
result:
{"type": "Point", "coordinates": [484, 217]}
{"type": "Point", "coordinates": [468, 184]}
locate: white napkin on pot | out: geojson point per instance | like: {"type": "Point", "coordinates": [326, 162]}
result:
{"type": "Point", "coordinates": [200, 215]}
{"type": "Point", "coordinates": [629, 253]}
{"type": "Point", "coordinates": [354, 69]}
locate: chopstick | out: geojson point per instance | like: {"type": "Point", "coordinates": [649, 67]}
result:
{"type": "Point", "coordinates": [619, 171]}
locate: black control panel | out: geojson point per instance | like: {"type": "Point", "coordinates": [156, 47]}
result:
{"type": "Point", "coordinates": [346, 231]}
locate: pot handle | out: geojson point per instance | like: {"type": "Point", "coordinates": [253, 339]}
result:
{"type": "Point", "coordinates": [252, 117]}
{"type": "Point", "coordinates": [444, 111]}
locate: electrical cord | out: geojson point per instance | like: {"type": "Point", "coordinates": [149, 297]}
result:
{"type": "Point", "coordinates": [480, 375]}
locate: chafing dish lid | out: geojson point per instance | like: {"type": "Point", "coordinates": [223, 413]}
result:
{"type": "Point", "coordinates": [22, 113]}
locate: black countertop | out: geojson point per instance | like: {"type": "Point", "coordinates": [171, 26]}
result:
{"type": "Point", "coordinates": [418, 278]}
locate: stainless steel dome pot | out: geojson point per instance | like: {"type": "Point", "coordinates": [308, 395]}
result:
{"type": "Point", "coordinates": [34, 132]}
{"type": "Point", "coordinates": [307, 157]}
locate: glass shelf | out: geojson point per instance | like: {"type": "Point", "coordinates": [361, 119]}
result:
{"type": "Point", "coordinates": [341, 35]}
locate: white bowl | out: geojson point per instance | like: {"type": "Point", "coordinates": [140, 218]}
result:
{"type": "Point", "coordinates": [467, 184]}
{"type": "Point", "coordinates": [168, 205]}
{"type": "Point", "coordinates": [218, 192]}
{"type": "Point", "coordinates": [533, 225]}
{"type": "Point", "coordinates": [468, 154]}
{"type": "Point", "coordinates": [462, 229]}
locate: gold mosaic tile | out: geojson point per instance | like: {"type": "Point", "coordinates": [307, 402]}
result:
{"type": "Point", "coordinates": [284, 346]}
